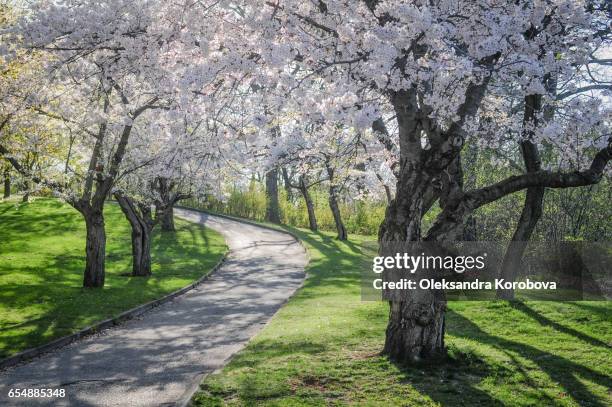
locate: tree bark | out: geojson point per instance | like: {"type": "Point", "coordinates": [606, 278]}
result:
{"type": "Point", "coordinates": [7, 183]}
{"type": "Point", "coordinates": [416, 322]}
{"type": "Point", "coordinates": [167, 218]}
{"type": "Point", "coordinates": [26, 193]}
{"type": "Point", "coordinates": [145, 260]}
{"type": "Point", "coordinates": [272, 205]}
{"type": "Point", "coordinates": [333, 205]}
{"type": "Point", "coordinates": [95, 249]}
{"type": "Point", "coordinates": [138, 215]}
{"type": "Point", "coordinates": [164, 205]}
{"type": "Point", "coordinates": [415, 330]}
{"type": "Point", "coordinates": [312, 217]}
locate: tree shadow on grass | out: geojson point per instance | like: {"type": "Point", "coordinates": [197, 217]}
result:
{"type": "Point", "coordinates": [601, 310]}
{"type": "Point", "coordinates": [542, 320]}
{"type": "Point", "coordinates": [453, 380]}
{"type": "Point", "coordinates": [53, 304]}
{"type": "Point", "coordinates": [563, 371]}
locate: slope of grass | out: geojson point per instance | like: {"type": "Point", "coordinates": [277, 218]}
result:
{"type": "Point", "coordinates": [42, 248]}
{"type": "Point", "coordinates": [323, 347]}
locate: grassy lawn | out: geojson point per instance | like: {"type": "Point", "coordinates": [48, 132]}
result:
{"type": "Point", "coordinates": [322, 349]}
{"type": "Point", "coordinates": [42, 249]}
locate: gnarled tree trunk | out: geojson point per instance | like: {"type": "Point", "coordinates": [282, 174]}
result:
{"type": "Point", "coordinates": [272, 205]}
{"type": "Point", "coordinates": [416, 318]}
{"type": "Point", "coordinates": [416, 321]}
{"type": "Point", "coordinates": [416, 329]}
{"type": "Point", "coordinates": [139, 217]}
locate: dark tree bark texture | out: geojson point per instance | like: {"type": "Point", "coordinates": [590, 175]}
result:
{"type": "Point", "coordinates": [95, 248]}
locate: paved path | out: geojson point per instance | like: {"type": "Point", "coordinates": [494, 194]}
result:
{"type": "Point", "coordinates": [159, 358]}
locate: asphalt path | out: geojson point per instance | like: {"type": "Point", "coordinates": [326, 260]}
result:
{"type": "Point", "coordinates": [159, 358]}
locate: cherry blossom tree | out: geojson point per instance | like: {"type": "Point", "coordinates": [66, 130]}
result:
{"type": "Point", "coordinates": [368, 92]}
{"type": "Point", "coordinates": [439, 65]}
{"type": "Point", "coordinates": [170, 158]}
{"type": "Point", "coordinates": [103, 68]}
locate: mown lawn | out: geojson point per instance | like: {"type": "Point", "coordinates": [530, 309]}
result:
{"type": "Point", "coordinates": [42, 248]}
{"type": "Point", "coordinates": [323, 347]}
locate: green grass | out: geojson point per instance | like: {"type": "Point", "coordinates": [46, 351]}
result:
{"type": "Point", "coordinates": [323, 348]}
{"type": "Point", "coordinates": [42, 248]}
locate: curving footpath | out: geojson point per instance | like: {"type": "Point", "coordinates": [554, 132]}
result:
{"type": "Point", "coordinates": [160, 358]}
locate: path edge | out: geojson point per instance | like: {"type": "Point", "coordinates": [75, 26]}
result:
{"type": "Point", "coordinates": [252, 223]}
{"type": "Point", "coordinates": [186, 399]}
{"type": "Point", "coordinates": [32, 353]}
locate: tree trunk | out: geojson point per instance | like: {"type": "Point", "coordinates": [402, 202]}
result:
{"type": "Point", "coordinates": [137, 251]}
{"type": "Point", "coordinates": [415, 330]}
{"type": "Point", "coordinates": [333, 205]}
{"type": "Point", "coordinates": [7, 183]}
{"type": "Point", "coordinates": [164, 206]}
{"type": "Point", "coordinates": [532, 211]}
{"type": "Point", "coordinates": [532, 207]}
{"type": "Point", "coordinates": [272, 205]}
{"type": "Point", "coordinates": [95, 249]}
{"type": "Point", "coordinates": [26, 192]}
{"type": "Point", "coordinates": [141, 232]}
{"type": "Point", "coordinates": [388, 193]}
{"type": "Point", "coordinates": [287, 184]}
{"type": "Point", "coordinates": [145, 260]}
{"type": "Point", "coordinates": [312, 217]}
{"type": "Point", "coordinates": [167, 218]}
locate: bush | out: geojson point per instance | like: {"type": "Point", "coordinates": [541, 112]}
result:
{"type": "Point", "coordinates": [360, 217]}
